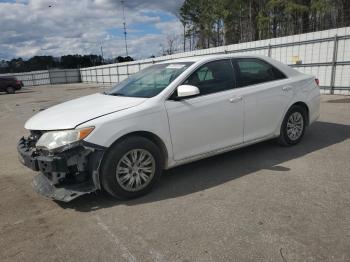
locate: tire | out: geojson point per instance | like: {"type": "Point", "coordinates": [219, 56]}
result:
{"type": "Point", "coordinates": [114, 166]}
{"type": "Point", "coordinates": [10, 90]}
{"type": "Point", "coordinates": [293, 126]}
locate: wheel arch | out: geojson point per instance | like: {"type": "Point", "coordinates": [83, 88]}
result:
{"type": "Point", "coordinates": [305, 107]}
{"type": "Point", "coordinates": [148, 135]}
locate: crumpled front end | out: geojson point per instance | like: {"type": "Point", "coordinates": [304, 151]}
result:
{"type": "Point", "coordinates": [63, 175]}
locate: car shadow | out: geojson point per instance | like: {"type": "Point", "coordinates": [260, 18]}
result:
{"type": "Point", "coordinates": [211, 172]}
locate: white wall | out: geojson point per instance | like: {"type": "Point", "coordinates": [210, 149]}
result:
{"type": "Point", "coordinates": [32, 78]}
{"type": "Point", "coordinates": [47, 77]}
{"type": "Point", "coordinates": [311, 48]}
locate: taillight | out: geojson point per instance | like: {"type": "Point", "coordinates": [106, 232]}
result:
{"type": "Point", "coordinates": [18, 82]}
{"type": "Point", "coordinates": [317, 81]}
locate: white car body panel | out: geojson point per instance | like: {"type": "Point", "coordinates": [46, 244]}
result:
{"type": "Point", "coordinates": [216, 121]}
{"type": "Point", "coordinates": [193, 128]}
{"type": "Point", "coordinates": [262, 107]}
{"type": "Point", "coordinates": [74, 112]}
{"type": "Point", "coordinates": [147, 117]}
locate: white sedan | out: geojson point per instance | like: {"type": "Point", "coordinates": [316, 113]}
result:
{"type": "Point", "coordinates": [166, 115]}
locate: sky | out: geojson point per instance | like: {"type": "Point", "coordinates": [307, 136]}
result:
{"type": "Point", "coordinates": [60, 27]}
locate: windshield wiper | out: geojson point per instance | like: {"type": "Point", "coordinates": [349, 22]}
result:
{"type": "Point", "coordinates": [116, 94]}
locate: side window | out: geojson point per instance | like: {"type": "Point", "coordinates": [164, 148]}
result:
{"type": "Point", "coordinates": [213, 77]}
{"type": "Point", "coordinates": [250, 71]}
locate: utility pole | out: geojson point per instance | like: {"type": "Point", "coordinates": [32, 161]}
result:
{"type": "Point", "coordinates": [184, 25]}
{"type": "Point", "coordinates": [102, 53]}
{"type": "Point", "coordinates": [124, 24]}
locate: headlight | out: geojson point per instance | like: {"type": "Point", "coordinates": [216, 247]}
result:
{"type": "Point", "coordinates": [56, 139]}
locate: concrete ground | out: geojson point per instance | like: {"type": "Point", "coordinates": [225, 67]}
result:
{"type": "Point", "coordinates": [260, 203]}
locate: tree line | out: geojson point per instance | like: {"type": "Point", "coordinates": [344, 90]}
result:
{"type": "Point", "coordinates": [208, 23]}
{"type": "Point", "coordinates": [35, 63]}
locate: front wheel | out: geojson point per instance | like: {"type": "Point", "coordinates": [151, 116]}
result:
{"type": "Point", "coordinates": [131, 168]}
{"type": "Point", "coordinates": [293, 126]}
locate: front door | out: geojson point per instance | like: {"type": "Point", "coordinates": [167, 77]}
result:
{"type": "Point", "coordinates": [214, 119]}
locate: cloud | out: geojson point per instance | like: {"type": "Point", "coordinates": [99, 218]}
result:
{"type": "Point", "coordinates": [58, 27]}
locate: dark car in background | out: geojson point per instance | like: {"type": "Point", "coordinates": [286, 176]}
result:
{"type": "Point", "coordinates": [10, 84]}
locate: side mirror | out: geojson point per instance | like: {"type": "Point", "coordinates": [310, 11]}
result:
{"type": "Point", "coordinates": [184, 91]}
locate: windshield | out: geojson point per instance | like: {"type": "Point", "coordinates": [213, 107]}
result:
{"type": "Point", "coordinates": [150, 81]}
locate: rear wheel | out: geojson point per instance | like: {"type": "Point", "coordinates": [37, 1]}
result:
{"type": "Point", "coordinates": [293, 126]}
{"type": "Point", "coordinates": [131, 168]}
{"type": "Point", "coordinates": [10, 90]}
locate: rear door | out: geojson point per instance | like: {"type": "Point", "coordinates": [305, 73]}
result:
{"type": "Point", "coordinates": [266, 94]}
{"type": "Point", "coordinates": [210, 121]}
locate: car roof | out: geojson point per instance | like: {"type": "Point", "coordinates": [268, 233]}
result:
{"type": "Point", "coordinates": [207, 58]}
{"type": "Point", "coordinates": [198, 58]}
{"type": "Point", "coordinates": [7, 77]}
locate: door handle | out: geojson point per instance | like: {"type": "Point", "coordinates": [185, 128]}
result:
{"type": "Point", "coordinates": [235, 99]}
{"type": "Point", "coordinates": [286, 88]}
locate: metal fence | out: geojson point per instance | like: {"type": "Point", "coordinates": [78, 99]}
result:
{"type": "Point", "coordinates": [48, 77]}
{"type": "Point", "coordinates": [64, 76]}
{"type": "Point", "coordinates": [325, 54]}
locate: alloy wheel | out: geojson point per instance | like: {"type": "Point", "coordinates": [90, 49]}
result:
{"type": "Point", "coordinates": [295, 126]}
{"type": "Point", "coordinates": [135, 170]}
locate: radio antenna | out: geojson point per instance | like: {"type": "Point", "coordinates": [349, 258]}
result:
{"type": "Point", "coordinates": [124, 25]}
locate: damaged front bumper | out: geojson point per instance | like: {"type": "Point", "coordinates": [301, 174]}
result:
{"type": "Point", "coordinates": [64, 175]}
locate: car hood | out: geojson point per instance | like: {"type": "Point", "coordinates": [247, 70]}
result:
{"type": "Point", "coordinates": [74, 112]}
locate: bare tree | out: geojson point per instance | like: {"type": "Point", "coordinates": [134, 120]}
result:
{"type": "Point", "coordinates": [170, 46]}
